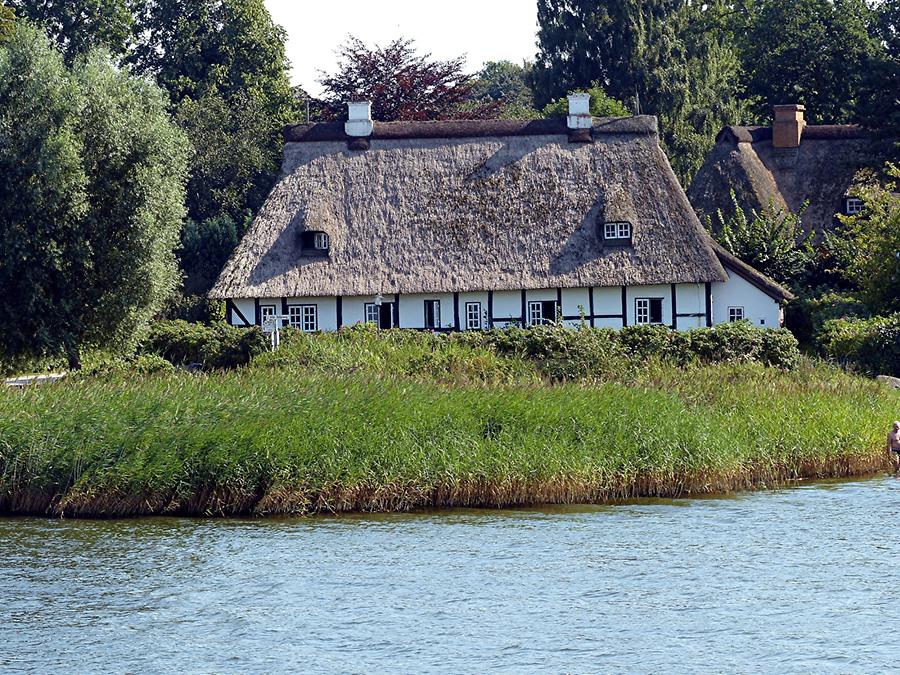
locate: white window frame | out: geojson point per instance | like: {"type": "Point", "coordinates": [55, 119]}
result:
{"type": "Point", "coordinates": [435, 306]}
{"type": "Point", "coordinates": [304, 317]}
{"type": "Point", "coordinates": [473, 316]}
{"type": "Point", "coordinates": [536, 313]}
{"type": "Point", "coordinates": [321, 241]}
{"type": "Point", "coordinates": [617, 230]}
{"type": "Point", "coordinates": [642, 311]}
{"type": "Point", "coordinates": [854, 206]}
{"type": "Point", "coordinates": [736, 314]}
{"type": "Point", "coordinates": [372, 313]}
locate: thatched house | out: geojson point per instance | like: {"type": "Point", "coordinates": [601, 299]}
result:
{"type": "Point", "coordinates": [787, 164]}
{"type": "Point", "coordinates": [472, 224]}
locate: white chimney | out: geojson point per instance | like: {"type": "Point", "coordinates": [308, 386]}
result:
{"type": "Point", "coordinates": [359, 119]}
{"type": "Point", "coordinates": [580, 111]}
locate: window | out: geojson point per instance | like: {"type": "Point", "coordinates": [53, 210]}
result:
{"type": "Point", "coordinates": [473, 316]}
{"type": "Point", "coordinates": [648, 310]}
{"type": "Point", "coordinates": [304, 317]}
{"type": "Point", "coordinates": [320, 241]}
{"type": "Point", "coordinates": [314, 243]}
{"type": "Point", "coordinates": [617, 233]}
{"type": "Point", "coordinates": [381, 315]}
{"type": "Point", "coordinates": [735, 314]}
{"type": "Point", "coordinates": [541, 312]}
{"type": "Point", "coordinates": [852, 206]}
{"type": "Point", "coordinates": [432, 314]}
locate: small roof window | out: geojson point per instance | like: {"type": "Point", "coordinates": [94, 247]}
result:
{"type": "Point", "coordinates": [616, 233]}
{"type": "Point", "coordinates": [315, 243]}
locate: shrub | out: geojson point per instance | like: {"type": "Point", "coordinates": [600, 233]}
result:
{"type": "Point", "coordinates": [872, 345]}
{"type": "Point", "coordinates": [216, 346]}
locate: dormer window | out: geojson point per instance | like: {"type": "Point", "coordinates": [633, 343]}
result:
{"type": "Point", "coordinates": [616, 233]}
{"type": "Point", "coordinates": [315, 243]}
{"type": "Point", "coordinates": [853, 206]}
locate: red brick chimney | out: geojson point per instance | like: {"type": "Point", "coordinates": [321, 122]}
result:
{"type": "Point", "coordinates": [788, 126]}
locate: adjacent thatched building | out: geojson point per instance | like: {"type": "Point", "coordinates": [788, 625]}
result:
{"type": "Point", "coordinates": [471, 224]}
{"type": "Point", "coordinates": [787, 164]}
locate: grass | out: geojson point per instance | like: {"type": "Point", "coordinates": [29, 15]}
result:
{"type": "Point", "coordinates": [315, 427]}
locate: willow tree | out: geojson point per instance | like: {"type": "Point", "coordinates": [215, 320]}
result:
{"type": "Point", "coordinates": [92, 175]}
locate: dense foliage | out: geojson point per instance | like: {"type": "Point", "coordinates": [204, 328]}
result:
{"type": "Point", "coordinates": [772, 240]}
{"type": "Point", "coordinates": [868, 244]}
{"type": "Point", "coordinates": [78, 27]}
{"type": "Point", "coordinates": [814, 52]}
{"type": "Point", "coordinates": [662, 56]}
{"type": "Point", "coordinates": [870, 345]}
{"type": "Point", "coordinates": [92, 194]}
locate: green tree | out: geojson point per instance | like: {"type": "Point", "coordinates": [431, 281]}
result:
{"type": "Point", "coordinates": [667, 58]}
{"type": "Point", "coordinates": [601, 105]}
{"type": "Point", "coordinates": [229, 47]}
{"type": "Point", "coordinates": [77, 27]}
{"type": "Point", "coordinates": [7, 22]}
{"type": "Point", "coordinates": [869, 243]}
{"type": "Point", "coordinates": [506, 83]}
{"type": "Point", "coordinates": [813, 52]}
{"type": "Point", "coordinates": [91, 201]}
{"type": "Point", "coordinates": [878, 105]}
{"type": "Point", "coordinates": [237, 153]}
{"type": "Point", "coordinates": [771, 240]}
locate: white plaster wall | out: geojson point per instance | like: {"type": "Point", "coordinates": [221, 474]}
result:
{"type": "Point", "coordinates": [412, 310]}
{"type": "Point", "coordinates": [248, 309]}
{"type": "Point", "coordinates": [507, 306]}
{"type": "Point", "coordinates": [759, 308]}
{"type": "Point", "coordinates": [691, 299]}
{"type": "Point", "coordinates": [608, 300]}
{"type": "Point", "coordinates": [572, 298]}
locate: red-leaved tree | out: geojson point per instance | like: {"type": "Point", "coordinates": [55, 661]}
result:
{"type": "Point", "coordinates": [402, 85]}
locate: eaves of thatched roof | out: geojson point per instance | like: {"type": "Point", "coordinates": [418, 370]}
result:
{"type": "Point", "coordinates": [750, 274]}
{"type": "Point", "coordinates": [474, 205]}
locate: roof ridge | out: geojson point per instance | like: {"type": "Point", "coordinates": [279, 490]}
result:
{"type": "Point", "coordinates": [403, 129]}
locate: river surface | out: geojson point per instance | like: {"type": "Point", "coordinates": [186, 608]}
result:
{"type": "Point", "coordinates": [801, 579]}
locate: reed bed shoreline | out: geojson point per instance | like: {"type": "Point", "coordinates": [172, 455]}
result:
{"type": "Point", "coordinates": [280, 440]}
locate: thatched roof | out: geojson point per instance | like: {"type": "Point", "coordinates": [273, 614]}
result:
{"type": "Point", "coordinates": [820, 171]}
{"type": "Point", "coordinates": [474, 205]}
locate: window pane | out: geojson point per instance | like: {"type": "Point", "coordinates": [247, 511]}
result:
{"type": "Point", "coordinates": [295, 314]}
{"type": "Point", "coordinates": [473, 315]}
{"type": "Point", "coordinates": [310, 318]}
{"type": "Point", "coordinates": [432, 314]}
{"type": "Point", "coordinates": [609, 230]}
{"type": "Point", "coordinates": [624, 230]}
{"type": "Point", "coordinates": [642, 310]}
{"type": "Point", "coordinates": [534, 313]}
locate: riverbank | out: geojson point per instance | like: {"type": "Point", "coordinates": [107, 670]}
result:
{"type": "Point", "coordinates": [282, 437]}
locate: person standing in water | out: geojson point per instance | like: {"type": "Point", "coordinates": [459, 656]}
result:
{"type": "Point", "coordinates": [894, 445]}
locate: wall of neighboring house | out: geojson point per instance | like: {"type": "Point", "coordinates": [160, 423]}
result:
{"type": "Point", "coordinates": [688, 310]}
{"type": "Point", "coordinates": [757, 307]}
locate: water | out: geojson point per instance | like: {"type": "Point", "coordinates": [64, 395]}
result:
{"type": "Point", "coordinates": [803, 579]}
